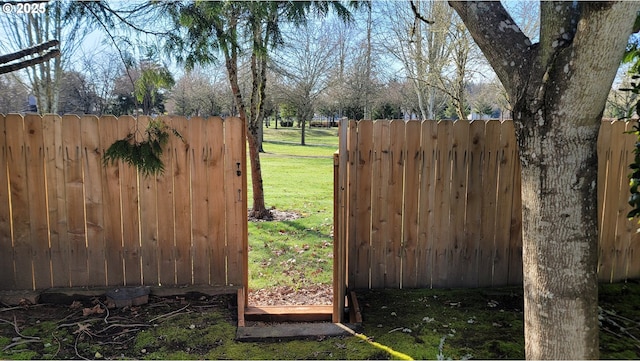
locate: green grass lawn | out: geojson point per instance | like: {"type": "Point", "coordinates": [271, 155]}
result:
{"type": "Point", "coordinates": [299, 179]}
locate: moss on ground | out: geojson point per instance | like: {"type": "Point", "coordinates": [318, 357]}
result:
{"type": "Point", "coordinates": [422, 324]}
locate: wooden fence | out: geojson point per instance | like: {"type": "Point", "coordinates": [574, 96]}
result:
{"type": "Point", "coordinates": [437, 204]}
{"type": "Point", "coordinates": [67, 220]}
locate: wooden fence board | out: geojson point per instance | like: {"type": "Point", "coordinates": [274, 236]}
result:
{"type": "Point", "coordinates": [515, 249]}
{"type": "Point", "coordinates": [461, 245]}
{"type": "Point", "coordinates": [74, 190]}
{"type": "Point", "coordinates": [604, 159]}
{"type": "Point", "coordinates": [506, 162]}
{"type": "Point", "coordinates": [166, 214]}
{"type": "Point", "coordinates": [39, 230]}
{"type": "Point", "coordinates": [426, 219]}
{"type": "Point", "coordinates": [148, 193]}
{"type": "Point", "coordinates": [394, 190]}
{"type": "Point", "coordinates": [621, 237]}
{"type": "Point", "coordinates": [6, 255]}
{"type": "Point", "coordinates": [216, 191]}
{"type": "Point", "coordinates": [413, 158]}
{"type": "Point", "coordinates": [199, 200]}
{"type": "Point", "coordinates": [16, 165]}
{"type": "Point", "coordinates": [474, 198]}
{"type": "Point", "coordinates": [489, 183]}
{"type": "Point", "coordinates": [57, 211]}
{"type": "Point", "coordinates": [235, 159]}
{"type": "Point", "coordinates": [351, 223]}
{"type": "Point", "coordinates": [182, 208]}
{"type": "Point", "coordinates": [627, 227]}
{"type": "Point", "coordinates": [608, 255]}
{"type": "Point", "coordinates": [633, 266]}
{"type": "Point", "coordinates": [92, 175]}
{"type": "Point", "coordinates": [341, 217]}
{"type": "Point", "coordinates": [442, 240]}
{"type": "Point", "coordinates": [111, 226]}
{"type": "Point", "coordinates": [361, 191]}
{"type": "Point", "coordinates": [130, 212]}
{"type": "Point", "coordinates": [379, 210]}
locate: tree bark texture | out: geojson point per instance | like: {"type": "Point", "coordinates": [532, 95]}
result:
{"type": "Point", "coordinates": [230, 51]}
{"type": "Point", "coordinates": [558, 88]}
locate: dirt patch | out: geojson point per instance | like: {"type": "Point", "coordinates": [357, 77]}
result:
{"type": "Point", "coordinates": [277, 216]}
{"type": "Point", "coordinates": [289, 296]}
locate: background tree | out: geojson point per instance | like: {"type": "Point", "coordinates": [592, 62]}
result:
{"type": "Point", "coordinates": [13, 94]}
{"type": "Point", "coordinates": [77, 95]}
{"type": "Point", "coordinates": [423, 49]}
{"type": "Point", "coordinates": [150, 86]}
{"type": "Point", "coordinates": [231, 28]}
{"type": "Point", "coordinates": [100, 70]}
{"type": "Point", "coordinates": [194, 94]}
{"type": "Point", "coordinates": [558, 88]}
{"type": "Point", "coordinates": [303, 66]}
{"type": "Point", "coordinates": [141, 88]}
{"type": "Point", "coordinates": [28, 30]}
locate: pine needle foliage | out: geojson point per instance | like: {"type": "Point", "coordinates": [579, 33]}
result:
{"type": "Point", "coordinates": [144, 154]}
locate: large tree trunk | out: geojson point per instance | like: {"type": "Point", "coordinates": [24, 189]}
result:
{"type": "Point", "coordinates": [258, 84]}
{"type": "Point", "coordinates": [558, 88]}
{"type": "Point", "coordinates": [259, 209]}
{"type": "Point", "coordinates": [560, 242]}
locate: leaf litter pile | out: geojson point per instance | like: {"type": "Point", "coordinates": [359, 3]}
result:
{"type": "Point", "coordinates": [422, 324]}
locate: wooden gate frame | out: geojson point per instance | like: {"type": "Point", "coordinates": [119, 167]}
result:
{"type": "Point", "coordinates": [314, 312]}
{"type": "Point", "coordinates": [339, 225]}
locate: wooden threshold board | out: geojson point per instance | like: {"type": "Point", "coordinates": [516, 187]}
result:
{"type": "Point", "coordinates": [290, 331]}
{"type": "Point", "coordinates": [311, 313]}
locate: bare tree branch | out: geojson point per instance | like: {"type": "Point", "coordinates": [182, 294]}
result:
{"type": "Point", "coordinates": [416, 12]}
{"type": "Point", "coordinates": [28, 51]}
{"type": "Point", "coordinates": [500, 39]}
{"type": "Point", "coordinates": [30, 62]}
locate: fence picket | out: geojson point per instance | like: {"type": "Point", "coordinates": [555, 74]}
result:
{"type": "Point", "coordinates": [426, 218]}
{"type": "Point", "coordinates": [515, 248]}
{"type": "Point", "coordinates": [92, 173]}
{"type": "Point", "coordinates": [411, 213]}
{"type": "Point", "coordinates": [16, 165]}
{"type": "Point", "coordinates": [182, 207]}
{"type": "Point", "coordinates": [235, 160]}
{"type": "Point", "coordinates": [612, 210]}
{"type": "Point", "coordinates": [626, 228]}
{"type": "Point", "coordinates": [148, 189]}
{"type": "Point", "coordinates": [475, 193]}
{"type": "Point", "coordinates": [216, 191]}
{"type": "Point", "coordinates": [394, 189]}
{"type": "Point", "coordinates": [74, 190]}
{"type": "Point", "coordinates": [489, 183]}
{"type": "Point", "coordinates": [363, 152]}
{"type": "Point", "coordinates": [111, 227]}
{"type": "Point", "coordinates": [130, 215]}
{"type": "Point", "coordinates": [35, 158]}
{"type": "Point", "coordinates": [6, 255]}
{"type": "Point", "coordinates": [461, 245]}
{"type": "Point", "coordinates": [199, 200]}
{"type": "Point", "coordinates": [379, 210]}
{"type": "Point", "coordinates": [166, 219]}
{"type": "Point", "coordinates": [507, 154]}
{"type": "Point", "coordinates": [54, 167]}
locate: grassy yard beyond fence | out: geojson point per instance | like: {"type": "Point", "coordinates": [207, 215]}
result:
{"type": "Point", "coordinates": [296, 179]}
